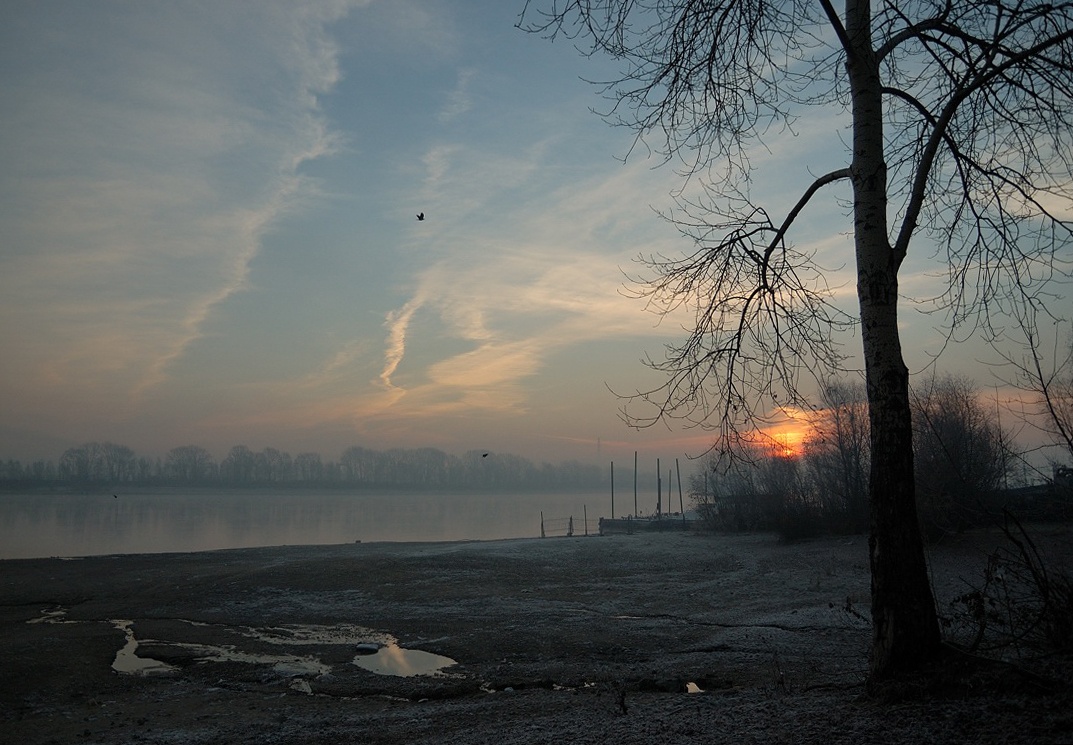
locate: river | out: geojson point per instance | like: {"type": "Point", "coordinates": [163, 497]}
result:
{"type": "Point", "coordinates": [42, 524]}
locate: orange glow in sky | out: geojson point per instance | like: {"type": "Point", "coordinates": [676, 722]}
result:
{"type": "Point", "coordinates": [786, 443]}
{"type": "Point", "coordinates": [262, 279]}
{"type": "Point", "coordinates": [786, 438]}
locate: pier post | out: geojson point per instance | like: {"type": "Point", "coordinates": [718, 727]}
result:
{"type": "Point", "coordinates": [659, 491]}
{"type": "Point", "coordinates": [635, 483]}
{"type": "Point", "coordinates": [681, 503]}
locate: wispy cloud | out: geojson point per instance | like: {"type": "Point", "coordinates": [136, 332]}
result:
{"type": "Point", "coordinates": [141, 208]}
{"type": "Point", "coordinates": [397, 323]}
{"type": "Point", "coordinates": [543, 277]}
{"type": "Point", "coordinates": [458, 100]}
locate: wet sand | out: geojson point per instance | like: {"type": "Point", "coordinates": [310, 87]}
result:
{"type": "Point", "coordinates": [633, 639]}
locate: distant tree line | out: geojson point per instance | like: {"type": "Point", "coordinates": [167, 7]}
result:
{"type": "Point", "coordinates": [966, 468]}
{"type": "Point", "coordinates": [107, 465]}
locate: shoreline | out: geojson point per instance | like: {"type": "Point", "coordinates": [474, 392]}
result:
{"type": "Point", "coordinates": [588, 640]}
{"type": "Point", "coordinates": [287, 547]}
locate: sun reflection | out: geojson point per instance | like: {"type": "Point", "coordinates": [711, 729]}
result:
{"type": "Point", "coordinates": [392, 659]}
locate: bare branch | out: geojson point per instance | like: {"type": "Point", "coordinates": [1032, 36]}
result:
{"type": "Point", "coordinates": [978, 80]}
{"type": "Point", "coordinates": [961, 112]}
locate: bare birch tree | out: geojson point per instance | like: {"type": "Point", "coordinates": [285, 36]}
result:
{"type": "Point", "coordinates": [960, 114]}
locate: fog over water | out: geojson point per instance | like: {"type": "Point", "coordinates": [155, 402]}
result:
{"type": "Point", "coordinates": [41, 525]}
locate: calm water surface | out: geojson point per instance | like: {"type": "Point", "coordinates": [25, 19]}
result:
{"type": "Point", "coordinates": [38, 525]}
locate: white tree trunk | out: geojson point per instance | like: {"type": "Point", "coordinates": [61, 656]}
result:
{"type": "Point", "coordinates": [905, 627]}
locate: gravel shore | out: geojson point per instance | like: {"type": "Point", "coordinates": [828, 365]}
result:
{"type": "Point", "coordinates": [648, 638]}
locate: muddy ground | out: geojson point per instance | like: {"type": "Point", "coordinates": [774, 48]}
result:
{"type": "Point", "coordinates": [628, 639]}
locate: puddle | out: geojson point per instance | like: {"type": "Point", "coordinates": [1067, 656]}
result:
{"type": "Point", "coordinates": [391, 659]}
{"type": "Point", "coordinates": [375, 651]}
{"type": "Point", "coordinates": [52, 616]}
{"type": "Point", "coordinates": [126, 661]}
{"type": "Point", "coordinates": [284, 665]}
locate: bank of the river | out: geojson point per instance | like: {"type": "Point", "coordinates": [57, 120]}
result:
{"type": "Point", "coordinates": [583, 640]}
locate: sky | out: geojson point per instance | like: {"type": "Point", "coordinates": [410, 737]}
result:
{"type": "Point", "coordinates": [208, 232]}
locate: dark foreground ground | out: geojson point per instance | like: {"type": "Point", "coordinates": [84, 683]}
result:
{"type": "Point", "coordinates": [627, 639]}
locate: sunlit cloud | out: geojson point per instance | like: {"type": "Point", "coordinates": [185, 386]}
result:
{"type": "Point", "coordinates": [534, 283]}
{"type": "Point", "coordinates": [208, 217]}
{"type": "Point", "coordinates": [397, 324]}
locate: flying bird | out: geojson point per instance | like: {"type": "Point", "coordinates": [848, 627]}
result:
{"type": "Point", "coordinates": [485, 455]}
{"type": "Point", "coordinates": [420, 216]}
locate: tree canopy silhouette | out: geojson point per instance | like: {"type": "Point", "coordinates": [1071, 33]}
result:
{"type": "Point", "coordinates": [959, 114]}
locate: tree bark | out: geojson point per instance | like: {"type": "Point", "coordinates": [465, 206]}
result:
{"type": "Point", "coordinates": [905, 627]}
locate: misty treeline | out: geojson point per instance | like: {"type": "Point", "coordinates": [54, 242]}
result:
{"type": "Point", "coordinates": [967, 470]}
{"type": "Point", "coordinates": [108, 465]}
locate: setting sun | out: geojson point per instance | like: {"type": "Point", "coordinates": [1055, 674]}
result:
{"type": "Point", "coordinates": [785, 436]}
{"type": "Point", "coordinates": [786, 443]}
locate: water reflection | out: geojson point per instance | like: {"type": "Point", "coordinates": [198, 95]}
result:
{"type": "Point", "coordinates": [36, 525]}
{"type": "Point", "coordinates": [127, 660]}
{"type": "Point", "coordinates": [392, 659]}
{"type": "Point", "coordinates": [383, 656]}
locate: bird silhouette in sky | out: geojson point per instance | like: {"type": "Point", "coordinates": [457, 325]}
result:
{"type": "Point", "coordinates": [420, 216]}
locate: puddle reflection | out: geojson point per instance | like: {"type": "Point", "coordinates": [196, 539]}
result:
{"type": "Point", "coordinates": [392, 659]}
{"type": "Point", "coordinates": [382, 656]}
{"type": "Point", "coordinates": [128, 662]}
